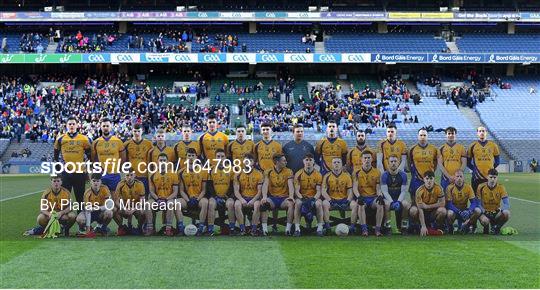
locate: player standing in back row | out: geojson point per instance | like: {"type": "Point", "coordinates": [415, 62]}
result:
{"type": "Point", "coordinates": [391, 146]}
{"type": "Point", "coordinates": [108, 150]}
{"type": "Point", "coordinates": [212, 140]}
{"type": "Point", "coordinates": [482, 156]}
{"type": "Point", "coordinates": [452, 157]}
{"type": "Point", "coordinates": [331, 146]}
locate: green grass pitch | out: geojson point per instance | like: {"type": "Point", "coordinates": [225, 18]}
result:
{"type": "Point", "coordinates": [273, 262]}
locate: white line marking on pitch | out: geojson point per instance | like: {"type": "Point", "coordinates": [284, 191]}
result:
{"type": "Point", "coordinates": [525, 200]}
{"type": "Point", "coordinates": [19, 196]}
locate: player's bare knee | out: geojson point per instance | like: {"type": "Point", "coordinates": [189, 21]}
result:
{"type": "Point", "coordinates": [450, 214]}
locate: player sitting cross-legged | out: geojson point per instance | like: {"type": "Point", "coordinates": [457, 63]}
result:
{"type": "Point", "coordinates": [458, 196]}
{"type": "Point", "coordinates": [278, 192]}
{"type": "Point", "coordinates": [490, 195]}
{"type": "Point", "coordinates": [97, 209]}
{"type": "Point", "coordinates": [429, 209]}
{"type": "Point", "coordinates": [129, 192]}
{"type": "Point", "coordinates": [307, 189]}
{"type": "Point", "coordinates": [55, 198]}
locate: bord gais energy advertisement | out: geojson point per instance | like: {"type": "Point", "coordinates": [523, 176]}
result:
{"type": "Point", "coordinates": [270, 144]}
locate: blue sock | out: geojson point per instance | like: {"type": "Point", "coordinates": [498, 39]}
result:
{"type": "Point", "coordinates": [253, 228]}
{"type": "Point", "coordinates": [201, 227]}
{"type": "Point", "coordinates": [377, 229]}
{"type": "Point", "coordinates": [231, 226]}
{"type": "Point", "coordinates": [326, 225]}
{"type": "Point", "coordinates": [364, 227]}
{"type": "Point", "coordinates": [351, 228]}
{"type": "Point", "coordinates": [210, 228]}
{"type": "Point", "coordinates": [38, 230]}
{"type": "Point", "coordinates": [242, 227]}
{"type": "Point", "coordinates": [180, 225]}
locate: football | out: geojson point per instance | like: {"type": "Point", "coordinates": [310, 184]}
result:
{"type": "Point", "coordinates": [342, 230]}
{"type": "Point", "coordinates": [190, 230]}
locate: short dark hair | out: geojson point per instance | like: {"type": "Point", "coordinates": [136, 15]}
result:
{"type": "Point", "coordinates": [163, 155]}
{"type": "Point", "coordinates": [104, 119]}
{"type": "Point", "coordinates": [296, 126]}
{"type": "Point", "coordinates": [391, 125]}
{"type": "Point", "coordinates": [277, 156]}
{"type": "Point", "coordinates": [95, 176]}
{"type": "Point", "coordinates": [266, 125]}
{"type": "Point", "coordinates": [332, 120]}
{"type": "Point", "coordinates": [450, 129]}
{"type": "Point", "coordinates": [493, 171]}
{"type": "Point", "coordinates": [249, 156]}
{"type": "Point", "coordinates": [137, 126]}
{"type": "Point", "coordinates": [429, 173]}
{"type": "Point", "coordinates": [55, 177]}
{"type": "Point", "coordinates": [211, 116]}
{"type": "Point", "coordinates": [219, 150]}
{"type": "Point", "coordinates": [240, 126]}
{"type": "Point", "coordinates": [309, 156]}
{"type": "Point", "coordinates": [422, 129]}
{"type": "Point", "coordinates": [72, 118]}
{"type": "Point", "coordinates": [191, 151]}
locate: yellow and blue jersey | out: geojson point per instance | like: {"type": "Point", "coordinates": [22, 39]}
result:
{"type": "Point", "coordinates": [108, 148]}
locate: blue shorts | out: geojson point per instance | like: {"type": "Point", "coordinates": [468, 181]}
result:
{"type": "Point", "coordinates": [220, 201]}
{"type": "Point", "coordinates": [413, 187]}
{"type": "Point", "coordinates": [308, 206]}
{"type": "Point", "coordinates": [277, 201]}
{"type": "Point", "coordinates": [111, 181]}
{"type": "Point", "coordinates": [144, 180]}
{"type": "Point", "coordinates": [95, 217]}
{"type": "Point", "coordinates": [339, 204]}
{"type": "Point", "coordinates": [248, 199]}
{"type": "Point", "coordinates": [369, 200]}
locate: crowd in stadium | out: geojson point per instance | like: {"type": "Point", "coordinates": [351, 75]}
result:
{"type": "Point", "coordinates": [81, 43]}
{"type": "Point", "coordinates": [305, 180]}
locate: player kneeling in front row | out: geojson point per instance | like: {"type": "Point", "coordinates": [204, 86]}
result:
{"type": "Point", "coordinates": [56, 198]}
{"type": "Point", "coordinates": [98, 207]}
{"type": "Point", "coordinates": [394, 188]}
{"type": "Point", "coordinates": [367, 189]}
{"type": "Point", "coordinates": [163, 186]}
{"type": "Point", "coordinates": [491, 194]}
{"type": "Point", "coordinates": [307, 189]}
{"type": "Point", "coordinates": [248, 191]}
{"type": "Point", "coordinates": [278, 192]}
{"type": "Point", "coordinates": [337, 193]}
{"type": "Point", "coordinates": [429, 209]}
{"type": "Point", "coordinates": [220, 182]}
{"type": "Point", "coordinates": [458, 196]}
{"type": "Point", "coordinates": [129, 201]}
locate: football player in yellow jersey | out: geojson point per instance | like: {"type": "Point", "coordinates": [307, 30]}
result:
{"type": "Point", "coordinates": [354, 157]}
{"type": "Point", "coordinates": [212, 139]}
{"type": "Point", "coordinates": [128, 194]}
{"type": "Point", "coordinates": [193, 188]}
{"type": "Point", "coordinates": [110, 152]}
{"type": "Point", "coordinates": [248, 190]}
{"type": "Point", "coordinates": [482, 156]}
{"type": "Point", "coordinates": [491, 194]}
{"type": "Point", "coordinates": [220, 184]}
{"type": "Point", "coordinates": [307, 189]}
{"type": "Point", "coordinates": [180, 148]}
{"type": "Point", "coordinates": [429, 208]}
{"type": "Point", "coordinates": [266, 148]}
{"type": "Point", "coordinates": [161, 147]}
{"type": "Point", "coordinates": [422, 158]}
{"type": "Point", "coordinates": [337, 192]}
{"type": "Point", "coordinates": [55, 198]}
{"type": "Point", "coordinates": [163, 194]}
{"type": "Point", "coordinates": [137, 149]}
{"type": "Point", "coordinates": [367, 190]}
{"type": "Point", "coordinates": [458, 196]}
{"type": "Point", "coordinates": [391, 146]}
{"type": "Point", "coordinates": [452, 157]}
{"type": "Point", "coordinates": [237, 149]}
{"type": "Point", "coordinates": [278, 193]}
{"type": "Point", "coordinates": [330, 146]}
{"type": "Point", "coordinates": [98, 207]}
{"type": "Point", "coordinates": [73, 147]}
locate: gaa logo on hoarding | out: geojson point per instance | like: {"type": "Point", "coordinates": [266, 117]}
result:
{"type": "Point", "coordinates": [298, 57]}
{"type": "Point", "coordinates": [211, 58]}
{"type": "Point", "coordinates": [202, 15]}
{"type": "Point", "coordinates": [124, 57]}
{"type": "Point", "coordinates": [6, 58]}
{"type": "Point", "coordinates": [182, 58]}
{"type": "Point", "coordinates": [327, 58]}
{"type": "Point", "coordinates": [269, 58]}
{"type": "Point", "coordinates": [155, 58]}
{"type": "Point", "coordinates": [240, 57]}
{"type": "Point", "coordinates": [96, 58]}
{"type": "Point", "coordinates": [355, 58]}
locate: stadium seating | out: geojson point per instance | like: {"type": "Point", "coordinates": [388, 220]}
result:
{"type": "Point", "coordinates": [384, 43]}
{"type": "Point", "coordinates": [498, 42]}
{"type": "Point", "coordinates": [513, 118]}
{"type": "Point", "coordinates": [13, 41]}
{"type": "Point", "coordinates": [269, 42]}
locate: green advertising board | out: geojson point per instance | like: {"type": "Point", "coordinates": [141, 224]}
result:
{"type": "Point", "coordinates": [12, 58]}
{"type": "Point", "coordinates": [53, 58]}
